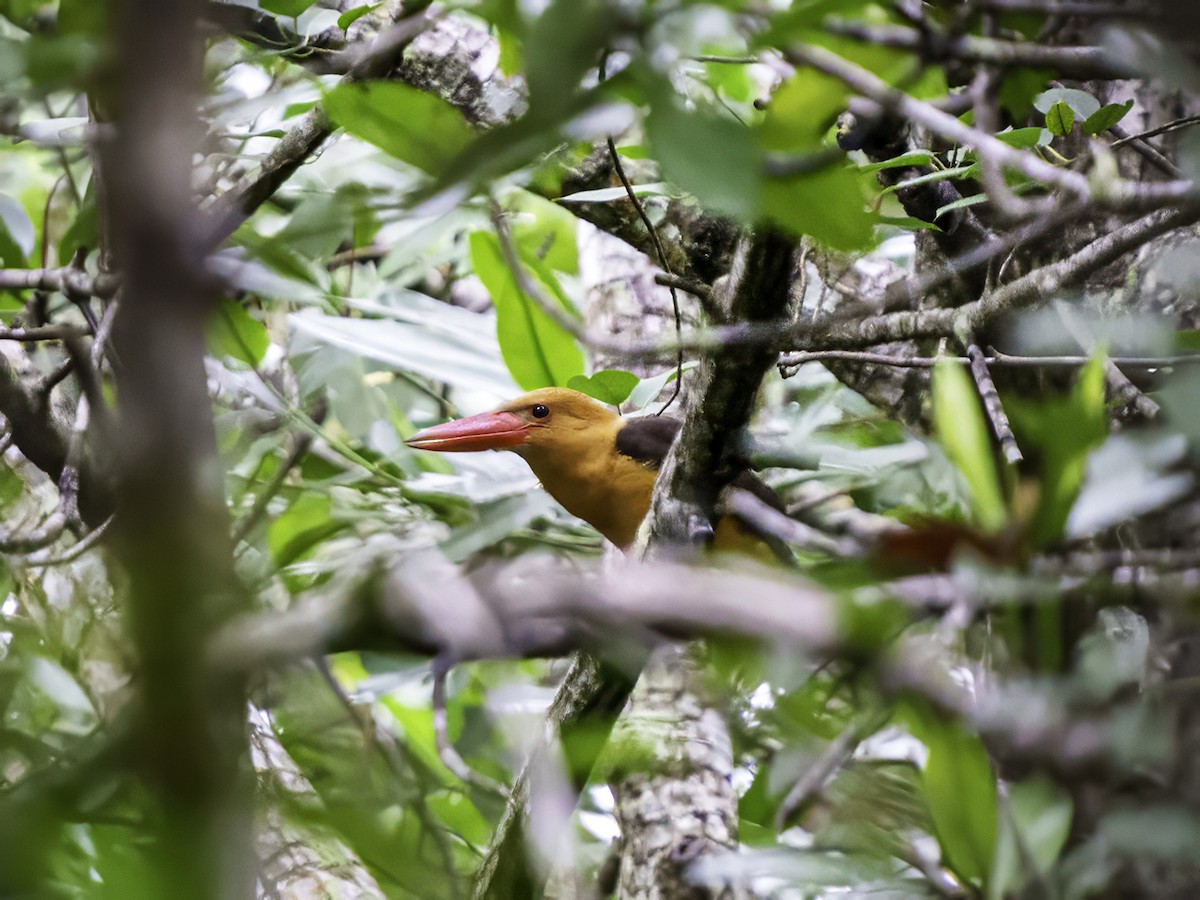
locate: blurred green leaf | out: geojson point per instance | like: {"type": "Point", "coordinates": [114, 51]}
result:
{"type": "Point", "coordinates": [543, 230]}
{"type": "Point", "coordinates": [537, 351]}
{"type": "Point", "coordinates": [410, 124]}
{"type": "Point", "coordinates": [1035, 830]}
{"type": "Point", "coordinates": [1060, 433]}
{"type": "Point", "coordinates": [829, 206]}
{"type": "Point", "coordinates": [802, 111]}
{"type": "Point", "coordinates": [1019, 88]}
{"type": "Point", "coordinates": [16, 233]}
{"type": "Point", "coordinates": [320, 224]}
{"type": "Point", "coordinates": [300, 527]}
{"type": "Point", "coordinates": [233, 332]}
{"type": "Point", "coordinates": [84, 230]}
{"type": "Point", "coordinates": [562, 44]}
{"type": "Point", "coordinates": [963, 432]}
{"type": "Point", "coordinates": [960, 788]}
{"type": "Point", "coordinates": [710, 155]}
{"type": "Point", "coordinates": [612, 386]}
{"type": "Point", "coordinates": [62, 61]}
{"type": "Point", "coordinates": [649, 388]}
{"type": "Point", "coordinates": [436, 340]}
{"type": "Point", "coordinates": [82, 17]}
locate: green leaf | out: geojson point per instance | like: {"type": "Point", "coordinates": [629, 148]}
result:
{"type": "Point", "coordinates": [1019, 88]}
{"type": "Point", "coordinates": [84, 230]}
{"type": "Point", "coordinates": [561, 45]}
{"type": "Point", "coordinates": [290, 8]}
{"type": "Point", "coordinates": [319, 225]}
{"type": "Point", "coordinates": [1064, 431]}
{"type": "Point", "coordinates": [1060, 119]}
{"type": "Point", "coordinates": [1023, 138]}
{"type": "Point", "coordinates": [56, 62]}
{"type": "Point", "coordinates": [801, 113]}
{"type": "Point", "coordinates": [233, 332]}
{"type": "Point", "coordinates": [709, 155]}
{"type": "Point", "coordinates": [611, 386]}
{"type": "Point", "coordinates": [913, 158]}
{"type": "Point", "coordinates": [82, 17]}
{"type": "Point", "coordinates": [409, 124]}
{"type": "Point", "coordinates": [537, 351]}
{"type": "Point", "coordinates": [1106, 117]}
{"type": "Point", "coordinates": [1035, 829]}
{"type": "Point", "coordinates": [436, 340]}
{"type": "Point", "coordinates": [649, 388]}
{"type": "Point", "coordinates": [277, 254]}
{"type": "Point", "coordinates": [16, 233]}
{"type": "Point", "coordinates": [829, 206]}
{"type": "Point", "coordinates": [960, 788]}
{"type": "Point", "coordinates": [964, 434]}
{"type": "Point", "coordinates": [350, 16]}
{"type": "Point", "coordinates": [301, 526]}
{"type": "Point", "coordinates": [543, 230]}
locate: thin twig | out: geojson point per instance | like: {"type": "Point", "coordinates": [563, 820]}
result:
{"type": "Point", "coordinates": [992, 405]}
{"type": "Point", "coordinates": [1175, 125]}
{"type": "Point", "coordinates": [1124, 391]}
{"type": "Point", "coordinates": [76, 550]}
{"type": "Point", "coordinates": [765, 520]}
{"type": "Point", "coordinates": [61, 279]}
{"type": "Point", "coordinates": [662, 261]}
{"type": "Point", "coordinates": [789, 362]}
{"type": "Point", "coordinates": [1083, 62]}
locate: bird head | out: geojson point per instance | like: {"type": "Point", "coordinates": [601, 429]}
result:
{"type": "Point", "coordinates": [545, 418]}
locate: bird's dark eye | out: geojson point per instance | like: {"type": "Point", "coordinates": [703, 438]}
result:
{"type": "Point", "coordinates": [541, 411]}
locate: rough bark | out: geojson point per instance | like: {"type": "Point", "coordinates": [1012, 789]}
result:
{"type": "Point", "coordinates": [683, 807]}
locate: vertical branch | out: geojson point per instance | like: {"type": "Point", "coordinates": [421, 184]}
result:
{"type": "Point", "coordinates": [683, 807]}
{"type": "Point", "coordinates": [172, 524]}
{"type": "Point", "coordinates": [992, 405]}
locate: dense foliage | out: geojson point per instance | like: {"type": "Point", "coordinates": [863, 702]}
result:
{"type": "Point", "coordinates": [979, 679]}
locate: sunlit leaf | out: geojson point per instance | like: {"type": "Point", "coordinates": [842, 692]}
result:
{"type": "Point", "coordinates": [543, 230]}
{"type": "Point", "coordinates": [412, 125]}
{"type": "Point", "coordinates": [960, 788]}
{"type": "Point", "coordinates": [964, 433]}
{"type": "Point", "coordinates": [537, 351]}
{"type": "Point", "coordinates": [611, 386]}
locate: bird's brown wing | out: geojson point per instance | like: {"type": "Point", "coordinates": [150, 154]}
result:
{"type": "Point", "coordinates": [647, 439]}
